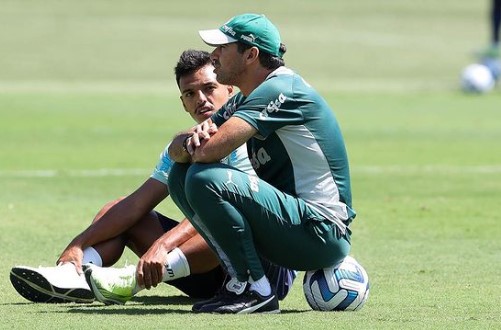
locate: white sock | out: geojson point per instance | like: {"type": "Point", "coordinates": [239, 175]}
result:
{"type": "Point", "coordinates": [91, 256]}
{"type": "Point", "coordinates": [261, 286]}
{"type": "Point", "coordinates": [177, 266]}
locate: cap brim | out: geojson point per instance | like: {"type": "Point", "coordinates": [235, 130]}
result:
{"type": "Point", "coordinates": [215, 37]}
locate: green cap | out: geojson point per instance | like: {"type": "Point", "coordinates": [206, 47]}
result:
{"type": "Point", "coordinates": [252, 29]}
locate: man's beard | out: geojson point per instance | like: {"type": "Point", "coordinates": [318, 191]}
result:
{"type": "Point", "coordinates": [230, 77]}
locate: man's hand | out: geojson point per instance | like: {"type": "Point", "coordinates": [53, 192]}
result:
{"type": "Point", "coordinates": [202, 132]}
{"type": "Point", "coordinates": [73, 254]}
{"type": "Point", "coordinates": [184, 144]}
{"type": "Point", "coordinates": [151, 266]}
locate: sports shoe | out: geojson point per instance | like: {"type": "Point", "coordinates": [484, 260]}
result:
{"type": "Point", "coordinates": [221, 296]}
{"type": "Point", "coordinates": [60, 284]}
{"type": "Point", "coordinates": [111, 285]}
{"type": "Point", "coordinates": [228, 302]}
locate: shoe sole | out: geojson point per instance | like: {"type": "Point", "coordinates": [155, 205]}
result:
{"type": "Point", "coordinates": [267, 306]}
{"type": "Point", "coordinates": [34, 287]}
{"type": "Point", "coordinates": [95, 290]}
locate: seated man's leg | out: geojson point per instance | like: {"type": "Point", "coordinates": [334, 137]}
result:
{"type": "Point", "coordinates": [118, 285]}
{"type": "Point", "coordinates": [138, 238]}
{"type": "Point", "coordinates": [63, 283]}
{"type": "Point", "coordinates": [206, 275]}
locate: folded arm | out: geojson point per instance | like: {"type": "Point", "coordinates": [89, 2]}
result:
{"type": "Point", "coordinates": [228, 137]}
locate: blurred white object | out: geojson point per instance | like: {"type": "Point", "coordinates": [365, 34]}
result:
{"type": "Point", "coordinates": [477, 78]}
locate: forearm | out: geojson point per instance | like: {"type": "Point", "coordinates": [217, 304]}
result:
{"type": "Point", "coordinates": [185, 144]}
{"type": "Point", "coordinates": [178, 235]}
{"type": "Point", "coordinates": [231, 135]}
{"type": "Point", "coordinates": [184, 236]}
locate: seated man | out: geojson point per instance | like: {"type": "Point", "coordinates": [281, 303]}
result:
{"type": "Point", "coordinates": [169, 251]}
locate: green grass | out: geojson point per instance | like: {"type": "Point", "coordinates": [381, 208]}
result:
{"type": "Point", "coordinates": [88, 101]}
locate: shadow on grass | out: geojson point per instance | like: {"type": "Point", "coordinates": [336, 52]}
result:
{"type": "Point", "coordinates": [124, 310]}
{"type": "Point", "coordinates": [143, 310]}
{"type": "Point", "coordinates": [16, 304]}
{"type": "Point", "coordinates": [143, 305]}
{"type": "Point", "coordinates": [165, 300]}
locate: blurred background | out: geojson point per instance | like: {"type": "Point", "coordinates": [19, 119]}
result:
{"type": "Point", "coordinates": [360, 46]}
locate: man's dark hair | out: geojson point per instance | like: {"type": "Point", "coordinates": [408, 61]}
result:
{"type": "Point", "coordinates": [269, 61]}
{"type": "Point", "coordinates": [190, 61]}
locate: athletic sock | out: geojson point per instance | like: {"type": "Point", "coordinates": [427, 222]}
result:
{"type": "Point", "coordinates": [91, 256]}
{"type": "Point", "coordinates": [177, 266]}
{"type": "Point", "coordinates": [261, 286]}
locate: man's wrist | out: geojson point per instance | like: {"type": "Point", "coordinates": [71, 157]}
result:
{"type": "Point", "coordinates": [186, 141]}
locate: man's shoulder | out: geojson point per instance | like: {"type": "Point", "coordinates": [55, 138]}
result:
{"type": "Point", "coordinates": [282, 81]}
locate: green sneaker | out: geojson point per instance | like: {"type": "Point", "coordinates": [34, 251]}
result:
{"type": "Point", "coordinates": [111, 285]}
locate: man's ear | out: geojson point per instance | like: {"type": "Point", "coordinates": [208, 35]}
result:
{"type": "Point", "coordinates": [252, 54]}
{"type": "Point", "coordinates": [230, 90]}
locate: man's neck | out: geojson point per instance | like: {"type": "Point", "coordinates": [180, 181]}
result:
{"type": "Point", "coordinates": [253, 79]}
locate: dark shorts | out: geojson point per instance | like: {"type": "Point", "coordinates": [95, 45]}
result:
{"type": "Point", "coordinates": [207, 284]}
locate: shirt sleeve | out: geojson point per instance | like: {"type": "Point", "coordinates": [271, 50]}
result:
{"type": "Point", "coordinates": [164, 165]}
{"type": "Point", "coordinates": [272, 106]}
{"type": "Point", "coordinates": [227, 110]}
{"type": "Point", "coordinates": [238, 158]}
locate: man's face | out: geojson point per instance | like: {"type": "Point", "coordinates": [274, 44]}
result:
{"type": "Point", "coordinates": [229, 63]}
{"type": "Point", "coordinates": [201, 94]}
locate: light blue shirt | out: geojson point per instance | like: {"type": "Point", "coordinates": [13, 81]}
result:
{"type": "Point", "coordinates": [238, 158]}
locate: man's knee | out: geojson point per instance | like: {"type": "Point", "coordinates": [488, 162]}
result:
{"type": "Point", "coordinates": [106, 208]}
{"type": "Point", "coordinates": [202, 178]}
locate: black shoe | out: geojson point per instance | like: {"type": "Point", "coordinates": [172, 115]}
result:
{"type": "Point", "coordinates": [245, 303]}
{"type": "Point", "coordinates": [221, 297]}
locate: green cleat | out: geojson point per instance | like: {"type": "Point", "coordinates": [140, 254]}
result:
{"type": "Point", "coordinates": [111, 285]}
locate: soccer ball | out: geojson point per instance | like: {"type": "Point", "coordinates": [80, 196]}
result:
{"type": "Point", "coordinates": [477, 78]}
{"type": "Point", "coordinates": [342, 287]}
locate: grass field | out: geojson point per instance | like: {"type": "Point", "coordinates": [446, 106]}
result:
{"type": "Point", "coordinates": [88, 101]}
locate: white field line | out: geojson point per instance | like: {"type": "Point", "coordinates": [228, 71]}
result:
{"type": "Point", "coordinates": [402, 170]}
{"type": "Point", "coordinates": [104, 87]}
{"type": "Point", "coordinates": [167, 87]}
{"type": "Point", "coordinates": [103, 172]}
